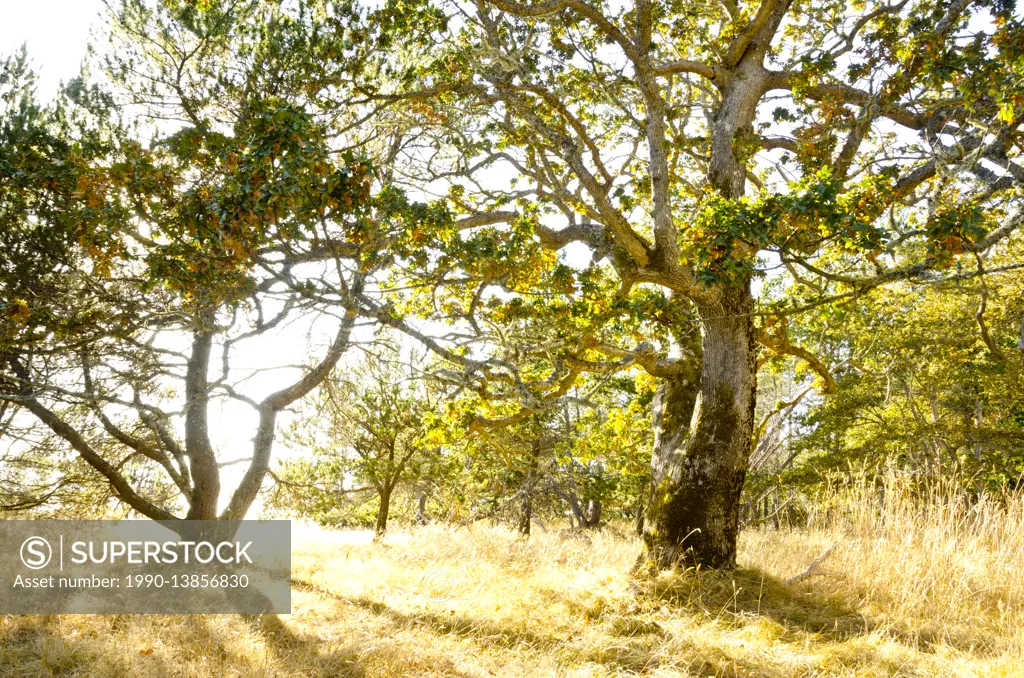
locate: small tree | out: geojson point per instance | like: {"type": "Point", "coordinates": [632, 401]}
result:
{"type": "Point", "coordinates": [368, 430]}
{"type": "Point", "coordinates": [587, 459]}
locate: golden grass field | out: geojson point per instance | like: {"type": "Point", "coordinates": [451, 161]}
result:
{"type": "Point", "coordinates": [907, 591]}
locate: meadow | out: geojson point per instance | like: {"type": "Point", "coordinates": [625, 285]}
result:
{"type": "Point", "coordinates": [913, 586]}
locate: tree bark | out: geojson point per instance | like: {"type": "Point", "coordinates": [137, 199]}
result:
{"type": "Point", "coordinates": [382, 511]}
{"type": "Point", "coordinates": [576, 508]}
{"type": "Point", "coordinates": [526, 514]}
{"type": "Point", "coordinates": [201, 456]}
{"type": "Point", "coordinates": [421, 509]}
{"type": "Point", "coordinates": [593, 513]}
{"type": "Point", "coordinates": [702, 444]}
{"type": "Point", "coordinates": [641, 510]}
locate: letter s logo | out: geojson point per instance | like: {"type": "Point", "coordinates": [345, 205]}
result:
{"type": "Point", "coordinates": [36, 553]}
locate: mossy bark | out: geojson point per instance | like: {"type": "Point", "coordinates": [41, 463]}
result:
{"type": "Point", "coordinates": [702, 445]}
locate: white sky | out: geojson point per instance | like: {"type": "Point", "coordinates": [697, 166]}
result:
{"type": "Point", "coordinates": [56, 32]}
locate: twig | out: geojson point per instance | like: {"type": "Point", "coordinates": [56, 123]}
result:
{"type": "Point", "coordinates": [777, 511]}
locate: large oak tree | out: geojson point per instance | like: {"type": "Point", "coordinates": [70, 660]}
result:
{"type": "Point", "coordinates": [691, 147]}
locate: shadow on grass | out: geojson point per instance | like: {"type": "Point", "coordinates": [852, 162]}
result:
{"type": "Point", "coordinates": [744, 594]}
{"type": "Point", "coordinates": [747, 593]}
{"type": "Point", "coordinates": [481, 630]}
{"type": "Point", "coordinates": [34, 645]}
{"type": "Point", "coordinates": [38, 647]}
{"type": "Point", "coordinates": [635, 656]}
{"type": "Point", "coordinates": [803, 613]}
{"type": "Point", "coordinates": [308, 654]}
{"type": "Point", "coordinates": [632, 653]}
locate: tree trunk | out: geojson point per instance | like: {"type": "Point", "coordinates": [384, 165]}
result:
{"type": "Point", "coordinates": [577, 510]}
{"type": "Point", "coordinates": [201, 457]}
{"type": "Point", "coordinates": [641, 510]}
{"type": "Point", "coordinates": [702, 445]}
{"type": "Point", "coordinates": [421, 509]}
{"type": "Point", "coordinates": [382, 511]}
{"type": "Point", "coordinates": [526, 515]}
{"type": "Point", "coordinates": [593, 513]}
{"type": "Point", "coordinates": [700, 461]}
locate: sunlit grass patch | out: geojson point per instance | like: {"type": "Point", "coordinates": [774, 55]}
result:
{"type": "Point", "coordinates": [906, 592]}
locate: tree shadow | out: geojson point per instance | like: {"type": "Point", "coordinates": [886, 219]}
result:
{"type": "Point", "coordinates": [28, 651]}
{"type": "Point", "coordinates": [302, 652]}
{"type": "Point", "coordinates": [741, 597]}
{"type": "Point", "coordinates": [748, 593]}
{"type": "Point", "coordinates": [481, 630]}
{"type": "Point", "coordinates": [632, 653]}
{"type": "Point", "coordinates": [39, 647]}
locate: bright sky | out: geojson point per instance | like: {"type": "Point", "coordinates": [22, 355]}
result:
{"type": "Point", "coordinates": [56, 32]}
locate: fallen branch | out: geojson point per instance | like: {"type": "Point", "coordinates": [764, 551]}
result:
{"type": "Point", "coordinates": [809, 572]}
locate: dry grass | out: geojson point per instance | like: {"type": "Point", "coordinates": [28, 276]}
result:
{"type": "Point", "coordinates": [907, 592]}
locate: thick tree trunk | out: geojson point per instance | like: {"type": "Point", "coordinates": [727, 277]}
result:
{"type": "Point", "coordinates": [382, 511]}
{"type": "Point", "coordinates": [702, 445]}
{"type": "Point", "coordinates": [700, 461]}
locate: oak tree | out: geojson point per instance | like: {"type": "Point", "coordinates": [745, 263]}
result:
{"type": "Point", "coordinates": [691, 147]}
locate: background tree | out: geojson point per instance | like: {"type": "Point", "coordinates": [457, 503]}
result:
{"type": "Point", "coordinates": [586, 460]}
{"type": "Point", "coordinates": [368, 429]}
{"type": "Point", "coordinates": [602, 467]}
{"type": "Point", "coordinates": [244, 213]}
{"type": "Point", "coordinates": [919, 384]}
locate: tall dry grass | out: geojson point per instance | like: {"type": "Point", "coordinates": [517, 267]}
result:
{"type": "Point", "coordinates": [922, 582]}
{"type": "Point", "coordinates": [924, 559]}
